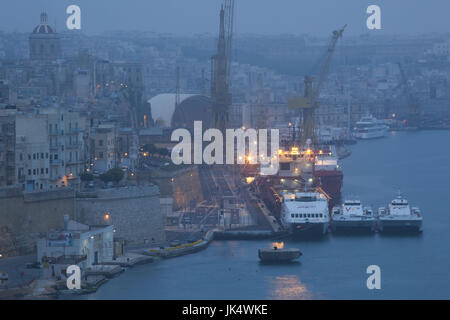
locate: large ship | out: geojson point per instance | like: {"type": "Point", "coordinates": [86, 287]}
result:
{"type": "Point", "coordinates": [305, 212]}
{"type": "Point", "coordinates": [300, 168]}
{"type": "Point", "coordinates": [369, 128]}
{"type": "Point", "coordinates": [327, 173]}
{"type": "Point", "coordinates": [399, 215]}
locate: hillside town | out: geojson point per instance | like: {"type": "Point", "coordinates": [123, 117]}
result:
{"type": "Point", "coordinates": [86, 176]}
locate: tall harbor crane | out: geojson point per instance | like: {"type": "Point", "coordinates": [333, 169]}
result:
{"type": "Point", "coordinates": [220, 68]}
{"type": "Point", "coordinates": [309, 102]}
{"type": "Point", "coordinates": [413, 107]}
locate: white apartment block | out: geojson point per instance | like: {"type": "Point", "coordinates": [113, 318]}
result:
{"type": "Point", "coordinates": [50, 149]}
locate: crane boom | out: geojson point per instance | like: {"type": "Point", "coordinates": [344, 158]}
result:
{"type": "Point", "coordinates": [309, 102]}
{"type": "Point", "coordinates": [337, 34]}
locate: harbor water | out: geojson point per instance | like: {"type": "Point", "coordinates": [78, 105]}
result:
{"type": "Point", "coordinates": [412, 266]}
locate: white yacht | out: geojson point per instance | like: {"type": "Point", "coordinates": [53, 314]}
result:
{"type": "Point", "coordinates": [399, 215]}
{"type": "Point", "coordinates": [352, 215]}
{"type": "Point", "coordinates": [305, 212]}
{"type": "Point", "coordinates": [369, 128]}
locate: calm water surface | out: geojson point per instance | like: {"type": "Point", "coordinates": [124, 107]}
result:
{"type": "Point", "coordinates": [412, 267]}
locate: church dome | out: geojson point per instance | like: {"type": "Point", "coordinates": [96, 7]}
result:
{"type": "Point", "coordinates": [43, 27]}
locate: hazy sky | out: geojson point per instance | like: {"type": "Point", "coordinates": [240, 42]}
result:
{"type": "Point", "coordinates": [252, 16]}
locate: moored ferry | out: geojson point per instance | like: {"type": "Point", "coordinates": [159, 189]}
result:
{"type": "Point", "coordinates": [352, 215]}
{"type": "Point", "coordinates": [305, 212]}
{"type": "Point", "coordinates": [399, 215]}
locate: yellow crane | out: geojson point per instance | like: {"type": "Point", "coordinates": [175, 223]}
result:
{"type": "Point", "coordinates": [309, 102]}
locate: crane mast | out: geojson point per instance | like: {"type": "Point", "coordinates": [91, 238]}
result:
{"type": "Point", "coordinates": [220, 68]}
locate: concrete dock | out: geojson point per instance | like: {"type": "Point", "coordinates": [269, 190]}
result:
{"type": "Point", "coordinates": [129, 259]}
{"type": "Point", "coordinates": [108, 271]}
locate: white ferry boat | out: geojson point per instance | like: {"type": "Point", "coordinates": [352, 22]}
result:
{"type": "Point", "coordinates": [305, 212]}
{"type": "Point", "coordinates": [352, 215]}
{"type": "Point", "coordinates": [399, 215]}
{"type": "Point", "coordinates": [369, 128]}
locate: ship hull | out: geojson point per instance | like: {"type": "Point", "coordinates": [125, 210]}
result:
{"type": "Point", "coordinates": [399, 225]}
{"type": "Point", "coordinates": [353, 225]}
{"type": "Point", "coordinates": [370, 135]}
{"type": "Point", "coordinates": [331, 182]}
{"type": "Point", "coordinates": [279, 255]}
{"type": "Point", "coordinates": [308, 229]}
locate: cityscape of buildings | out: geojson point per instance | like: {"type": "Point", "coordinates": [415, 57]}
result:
{"type": "Point", "coordinates": [75, 109]}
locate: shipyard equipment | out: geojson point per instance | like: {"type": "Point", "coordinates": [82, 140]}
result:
{"type": "Point", "coordinates": [309, 102]}
{"type": "Point", "coordinates": [220, 68]}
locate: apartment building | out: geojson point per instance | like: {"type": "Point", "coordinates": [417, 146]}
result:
{"type": "Point", "coordinates": [7, 149]}
{"type": "Point", "coordinates": [45, 149]}
{"type": "Point", "coordinates": [105, 147]}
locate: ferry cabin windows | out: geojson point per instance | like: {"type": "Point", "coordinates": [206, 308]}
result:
{"type": "Point", "coordinates": [307, 215]}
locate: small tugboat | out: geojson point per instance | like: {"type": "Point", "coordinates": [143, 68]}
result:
{"type": "Point", "coordinates": [278, 253]}
{"type": "Point", "coordinates": [399, 215]}
{"type": "Point", "coordinates": [352, 215]}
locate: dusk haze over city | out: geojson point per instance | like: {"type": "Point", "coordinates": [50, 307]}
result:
{"type": "Point", "coordinates": [217, 158]}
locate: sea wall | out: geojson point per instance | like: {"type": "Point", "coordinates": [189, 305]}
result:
{"type": "Point", "coordinates": [26, 216]}
{"type": "Point", "coordinates": [134, 211]}
{"type": "Point", "coordinates": [182, 184]}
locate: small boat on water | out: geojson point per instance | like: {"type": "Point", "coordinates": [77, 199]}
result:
{"type": "Point", "coordinates": [279, 254]}
{"type": "Point", "coordinates": [399, 215]}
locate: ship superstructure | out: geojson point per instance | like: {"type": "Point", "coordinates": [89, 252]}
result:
{"type": "Point", "coordinates": [304, 212]}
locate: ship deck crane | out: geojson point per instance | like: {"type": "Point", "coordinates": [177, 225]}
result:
{"type": "Point", "coordinates": [309, 102]}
